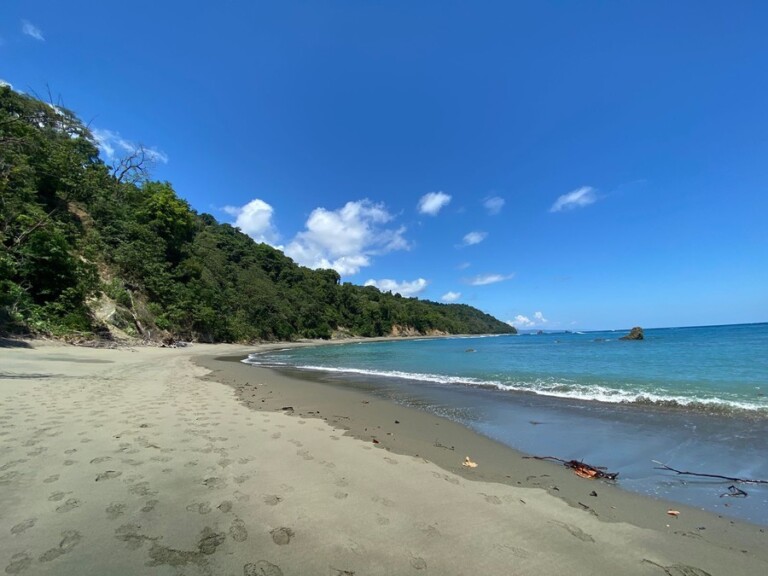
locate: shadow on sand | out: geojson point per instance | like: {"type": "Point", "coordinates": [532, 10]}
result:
{"type": "Point", "coordinates": [13, 343]}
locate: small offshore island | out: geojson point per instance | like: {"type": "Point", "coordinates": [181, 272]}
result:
{"type": "Point", "coordinates": [140, 459]}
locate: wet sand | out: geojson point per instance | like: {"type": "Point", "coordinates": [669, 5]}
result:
{"type": "Point", "coordinates": [142, 462]}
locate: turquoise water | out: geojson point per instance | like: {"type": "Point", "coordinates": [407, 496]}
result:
{"type": "Point", "coordinates": [693, 398]}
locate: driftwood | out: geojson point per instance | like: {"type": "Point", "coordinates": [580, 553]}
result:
{"type": "Point", "coordinates": [580, 468]}
{"type": "Point", "coordinates": [703, 475]}
{"type": "Point", "coordinates": [735, 492]}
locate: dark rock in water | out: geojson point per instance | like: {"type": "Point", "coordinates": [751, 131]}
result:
{"type": "Point", "coordinates": [635, 334]}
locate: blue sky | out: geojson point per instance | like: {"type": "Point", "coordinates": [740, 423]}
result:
{"type": "Point", "coordinates": [560, 165]}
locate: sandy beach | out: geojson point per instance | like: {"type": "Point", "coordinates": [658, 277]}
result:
{"type": "Point", "coordinates": [180, 461]}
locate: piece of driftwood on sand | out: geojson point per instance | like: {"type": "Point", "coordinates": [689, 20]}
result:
{"type": "Point", "coordinates": [704, 475]}
{"type": "Point", "coordinates": [580, 468]}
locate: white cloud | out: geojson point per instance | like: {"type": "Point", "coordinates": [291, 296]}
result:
{"type": "Point", "coordinates": [114, 146]}
{"type": "Point", "coordinates": [406, 289]}
{"type": "Point", "coordinates": [474, 238]}
{"type": "Point", "coordinates": [4, 83]}
{"type": "Point", "coordinates": [156, 155]}
{"type": "Point", "coordinates": [450, 296]}
{"type": "Point", "coordinates": [521, 321]}
{"type": "Point", "coordinates": [463, 265]}
{"type": "Point", "coordinates": [31, 30]}
{"type": "Point", "coordinates": [255, 219]}
{"type": "Point", "coordinates": [494, 204]}
{"type": "Point", "coordinates": [484, 279]}
{"type": "Point", "coordinates": [432, 202]}
{"type": "Point", "coordinates": [584, 196]}
{"type": "Point", "coordinates": [346, 238]}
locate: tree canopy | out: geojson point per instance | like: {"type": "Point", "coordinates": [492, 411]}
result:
{"type": "Point", "coordinates": [83, 248]}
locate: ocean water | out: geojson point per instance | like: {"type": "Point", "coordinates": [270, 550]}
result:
{"type": "Point", "coordinates": [693, 398]}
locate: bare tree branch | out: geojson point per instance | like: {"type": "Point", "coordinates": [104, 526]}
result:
{"type": "Point", "coordinates": [24, 234]}
{"type": "Point", "coordinates": [135, 167]}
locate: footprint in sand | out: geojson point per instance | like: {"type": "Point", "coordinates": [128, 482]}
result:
{"type": "Point", "coordinates": [70, 504]}
{"type": "Point", "coordinates": [680, 569]}
{"type": "Point", "coordinates": [142, 489]}
{"type": "Point", "coordinates": [108, 475]}
{"type": "Point", "coordinates": [418, 563]}
{"type": "Point", "coordinates": [383, 501]}
{"type": "Point", "coordinates": [238, 531]}
{"type": "Point", "coordinates": [282, 536]}
{"type": "Point", "coordinates": [340, 495]}
{"type": "Point", "coordinates": [100, 459]}
{"type": "Point", "coordinates": [428, 529]}
{"type": "Point", "coordinates": [70, 539]}
{"type": "Point", "coordinates": [22, 561]}
{"type": "Point", "coordinates": [272, 500]}
{"type": "Point", "coordinates": [490, 498]}
{"type": "Point", "coordinates": [115, 510]}
{"type": "Point", "coordinates": [262, 568]}
{"type": "Point", "coordinates": [214, 482]}
{"type": "Point", "coordinates": [575, 531]}
{"type": "Point", "coordinates": [56, 496]}
{"type": "Point", "coordinates": [341, 572]}
{"type": "Point", "coordinates": [23, 526]}
{"type": "Point", "coordinates": [225, 506]}
{"type": "Point", "coordinates": [150, 505]}
{"type": "Point", "coordinates": [210, 540]}
{"type": "Point", "coordinates": [131, 535]}
{"type": "Point", "coordinates": [391, 460]}
{"type": "Point", "coordinates": [199, 507]}
{"type": "Point", "coordinates": [514, 550]}
{"type": "Point", "coordinates": [8, 478]}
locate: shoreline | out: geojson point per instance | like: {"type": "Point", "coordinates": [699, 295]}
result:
{"type": "Point", "coordinates": [624, 438]}
{"type": "Point", "coordinates": [446, 443]}
{"type": "Point", "coordinates": [133, 461]}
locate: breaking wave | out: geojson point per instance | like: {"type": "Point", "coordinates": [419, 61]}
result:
{"type": "Point", "coordinates": [567, 390]}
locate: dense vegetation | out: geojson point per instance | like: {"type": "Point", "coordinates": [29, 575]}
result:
{"type": "Point", "coordinates": [86, 248]}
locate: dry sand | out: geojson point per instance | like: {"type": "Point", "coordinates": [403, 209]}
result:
{"type": "Point", "coordinates": [141, 462]}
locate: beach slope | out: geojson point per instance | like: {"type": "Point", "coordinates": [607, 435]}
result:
{"type": "Point", "coordinates": [137, 461]}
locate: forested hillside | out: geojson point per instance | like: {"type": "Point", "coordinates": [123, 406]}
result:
{"type": "Point", "coordinates": [91, 249]}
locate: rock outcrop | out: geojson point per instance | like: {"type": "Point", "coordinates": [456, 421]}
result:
{"type": "Point", "coordinates": [635, 334]}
